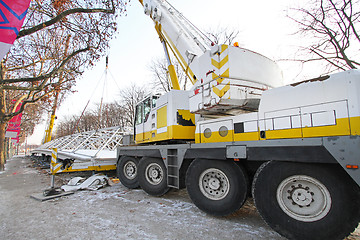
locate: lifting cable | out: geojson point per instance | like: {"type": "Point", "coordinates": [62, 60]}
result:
{"type": "Point", "coordinates": [87, 104]}
{"type": "Point", "coordinates": [103, 90]}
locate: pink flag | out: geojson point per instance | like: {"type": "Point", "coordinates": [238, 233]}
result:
{"type": "Point", "coordinates": [12, 16]}
{"type": "Point", "coordinates": [13, 129]}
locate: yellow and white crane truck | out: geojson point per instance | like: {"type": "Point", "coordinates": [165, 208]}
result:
{"type": "Point", "coordinates": [239, 132]}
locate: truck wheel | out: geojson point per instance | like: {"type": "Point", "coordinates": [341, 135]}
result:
{"type": "Point", "coordinates": [153, 176]}
{"type": "Point", "coordinates": [127, 171]}
{"type": "Point", "coordinates": [217, 187]}
{"type": "Point", "coordinates": [307, 201]}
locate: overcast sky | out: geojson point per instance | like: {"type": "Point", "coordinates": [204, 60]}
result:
{"type": "Point", "coordinates": [263, 27]}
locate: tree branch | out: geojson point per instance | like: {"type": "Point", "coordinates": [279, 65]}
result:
{"type": "Point", "coordinates": [11, 87]}
{"type": "Point", "coordinates": [62, 15]}
{"type": "Point", "coordinates": [327, 59]}
{"type": "Point", "coordinates": [22, 107]}
{"type": "Point", "coordinates": [48, 75]}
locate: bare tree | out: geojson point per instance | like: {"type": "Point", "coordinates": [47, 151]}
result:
{"type": "Point", "coordinates": [30, 118]}
{"type": "Point", "coordinates": [129, 97]}
{"type": "Point", "coordinates": [161, 77]}
{"type": "Point", "coordinates": [104, 116]}
{"type": "Point", "coordinates": [222, 35]}
{"type": "Point", "coordinates": [113, 114]}
{"type": "Point", "coordinates": [32, 70]}
{"type": "Point", "coordinates": [118, 113]}
{"type": "Point", "coordinates": [66, 127]}
{"type": "Point", "coordinates": [333, 26]}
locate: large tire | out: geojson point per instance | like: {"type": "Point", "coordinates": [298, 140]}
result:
{"type": "Point", "coordinates": [307, 201]}
{"type": "Point", "coordinates": [152, 176]}
{"type": "Point", "coordinates": [127, 171]}
{"type": "Point", "coordinates": [217, 187]}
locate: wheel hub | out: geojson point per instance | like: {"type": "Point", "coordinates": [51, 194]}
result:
{"type": "Point", "coordinates": [214, 184]}
{"type": "Point", "coordinates": [303, 198]}
{"type": "Point", "coordinates": [130, 170]}
{"type": "Point", "coordinates": [154, 173]}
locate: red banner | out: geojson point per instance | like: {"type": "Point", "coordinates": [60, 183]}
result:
{"type": "Point", "coordinates": [13, 129]}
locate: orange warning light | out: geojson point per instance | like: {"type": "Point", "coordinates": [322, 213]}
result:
{"type": "Point", "coordinates": [352, 166]}
{"type": "Point", "coordinates": [236, 44]}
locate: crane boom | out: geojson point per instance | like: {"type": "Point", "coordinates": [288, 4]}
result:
{"type": "Point", "coordinates": [225, 78]}
{"type": "Point", "coordinates": [176, 33]}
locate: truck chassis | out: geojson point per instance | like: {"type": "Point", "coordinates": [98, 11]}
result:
{"type": "Point", "coordinates": [294, 182]}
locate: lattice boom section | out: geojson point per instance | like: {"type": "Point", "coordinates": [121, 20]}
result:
{"type": "Point", "coordinates": [101, 139]}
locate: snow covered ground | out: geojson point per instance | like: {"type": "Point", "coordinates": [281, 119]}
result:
{"type": "Point", "coordinates": [113, 213]}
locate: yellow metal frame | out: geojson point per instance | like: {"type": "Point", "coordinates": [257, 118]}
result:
{"type": "Point", "coordinates": [174, 132]}
{"type": "Point", "coordinates": [343, 127]}
{"type": "Point", "coordinates": [91, 168]}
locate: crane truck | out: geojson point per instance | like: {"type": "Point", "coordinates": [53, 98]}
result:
{"type": "Point", "coordinates": [239, 132]}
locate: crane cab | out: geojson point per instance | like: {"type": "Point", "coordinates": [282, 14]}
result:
{"type": "Point", "coordinates": [164, 118]}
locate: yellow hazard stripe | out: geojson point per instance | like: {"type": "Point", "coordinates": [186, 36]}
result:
{"type": "Point", "coordinates": [54, 155]}
{"type": "Point", "coordinates": [221, 92]}
{"type": "Point", "coordinates": [222, 77]}
{"type": "Point", "coordinates": [220, 64]}
{"type": "Point", "coordinates": [57, 168]}
{"type": "Point", "coordinates": [223, 48]}
{"type": "Point", "coordinates": [226, 74]}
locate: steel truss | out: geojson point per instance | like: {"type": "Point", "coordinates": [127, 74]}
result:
{"type": "Point", "coordinates": [92, 146]}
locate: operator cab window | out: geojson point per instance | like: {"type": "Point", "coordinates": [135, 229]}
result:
{"type": "Point", "coordinates": [143, 109]}
{"type": "Point", "coordinates": [154, 99]}
{"type": "Point", "coordinates": [139, 114]}
{"type": "Point", "coordinates": [147, 109]}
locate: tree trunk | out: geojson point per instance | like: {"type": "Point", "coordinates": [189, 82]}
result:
{"type": "Point", "coordinates": [2, 145]}
{"type": "Point", "coordinates": [3, 122]}
{"type": "Point", "coordinates": [2, 130]}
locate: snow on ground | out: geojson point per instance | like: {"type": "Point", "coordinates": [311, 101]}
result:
{"type": "Point", "coordinates": [113, 213]}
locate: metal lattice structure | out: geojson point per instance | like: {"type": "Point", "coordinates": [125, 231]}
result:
{"type": "Point", "coordinates": [94, 147]}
